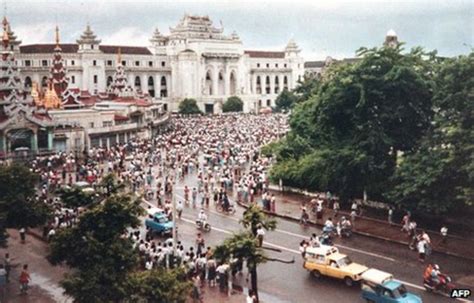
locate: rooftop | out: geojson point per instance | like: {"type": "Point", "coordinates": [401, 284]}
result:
{"type": "Point", "coordinates": [73, 48]}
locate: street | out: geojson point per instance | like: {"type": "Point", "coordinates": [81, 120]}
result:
{"type": "Point", "coordinates": [280, 282]}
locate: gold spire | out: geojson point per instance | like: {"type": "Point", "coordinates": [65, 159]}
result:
{"type": "Point", "coordinates": [5, 37]}
{"type": "Point", "coordinates": [57, 36]}
{"type": "Point", "coordinates": [119, 55]}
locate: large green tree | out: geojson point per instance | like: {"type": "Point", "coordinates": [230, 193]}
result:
{"type": "Point", "coordinates": [358, 120]}
{"type": "Point", "coordinates": [96, 249]}
{"type": "Point", "coordinates": [233, 104]}
{"type": "Point", "coordinates": [285, 100]}
{"type": "Point", "coordinates": [18, 205]}
{"type": "Point", "coordinates": [189, 107]}
{"type": "Point", "coordinates": [439, 175]}
{"type": "Point", "coordinates": [159, 285]}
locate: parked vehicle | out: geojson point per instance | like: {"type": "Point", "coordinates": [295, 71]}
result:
{"type": "Point", "coordinates": [380, 287]}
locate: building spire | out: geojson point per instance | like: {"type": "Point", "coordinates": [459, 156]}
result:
{"type": "Point", "coordinates": [57, 36]}
{"type": "Point", "coordinates": [119, 55]}
{"type": "Point", "coordinates": [5, 37]}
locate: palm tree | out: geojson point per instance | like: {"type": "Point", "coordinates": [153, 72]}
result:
{"type": "Point", "coordinates": [254, 217]}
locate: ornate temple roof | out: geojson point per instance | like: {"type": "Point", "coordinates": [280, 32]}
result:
{"type": "Point", "coordinates": [292, 47]}
{"type": "Point", "coordinates": [11, 35]}
{"type": "Point", "coordinates": [158, 37]}
{"type": "Point", "coordinates": [88, 37]}
{"type": "Point", "coordinates": [197, 27]}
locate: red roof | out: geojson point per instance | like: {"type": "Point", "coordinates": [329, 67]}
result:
{"type": "Point", "coordinates": [48, 48]}
{"type": "Point", "coordinates": [131, 50]}
{"type": "Point", "coordinates": [120, 118]}
{"type": "Point", "coordinates": [265, 54]}
{"type": "Point", "coordinates": [73, 48]}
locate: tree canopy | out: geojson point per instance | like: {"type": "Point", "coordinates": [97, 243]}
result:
{"type": "Point", "coordinates": [233, 104]}
{"type": "Point", "coordinates": [18, 204]}
{"type": "Point", "coordinates": [395, 124]}
{"type": "Point", "coordinates": [189, 107]}
{"type": "Point", "coordinates": [285, 100]}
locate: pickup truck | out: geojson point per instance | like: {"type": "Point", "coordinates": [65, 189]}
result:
{"type": "Point", "coordinates": [158, 223]}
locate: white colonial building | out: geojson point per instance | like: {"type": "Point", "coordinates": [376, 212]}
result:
{"type": "Point", "coordinates": [196, 60]}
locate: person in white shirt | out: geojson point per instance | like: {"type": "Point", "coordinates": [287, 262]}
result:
{"type": "Point", "coordinates": [260, 235]}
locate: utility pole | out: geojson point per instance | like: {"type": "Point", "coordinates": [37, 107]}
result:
{"type": "Point", "coordinates": [173, 208]}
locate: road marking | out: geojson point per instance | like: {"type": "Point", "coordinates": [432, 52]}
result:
{"type": "Point", "coordinates": [302, 236]}
{"type": "Point", "coordinates": [299, 253]}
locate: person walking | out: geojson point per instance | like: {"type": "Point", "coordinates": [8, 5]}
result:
{"type": "Point", "coordinates": [24, 279]}
{"type": "Point", "coordinates": [22, 234]}
{"type": "Point", "coordinates": [444, 235]}
{"type": "Point", "coordinates": [421, 246]}
{"type": "Point", "coordinates": [390, 215]}
{"type": "Point", "coordinates": [8, 266]}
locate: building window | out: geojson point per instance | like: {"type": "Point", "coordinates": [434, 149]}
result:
{"type": "Point", "coordinates": [91, 124]}
{"type": "Point", "coordinates": [106, 123]}
{"type": "Point", "coordinates": [163, 63]}
{"type": "Point", "coordinates": [44, 63]}
{"type": "Point", "coordinates": [109, 62]}
{"type": "Point", "coordinates": [72, 62]}
{"type": "Point", "coordinates": [259, 85]}
{"type": "Point", "coordinates": [92, 46]}
{"type": "Point", "coordinates": [150, 63]}
{"type": "Point", "coordinates": [95, 79]}
{"type": "Point", "coordinates": [285, 65]}
{"type": "Point", "coordinates": [258, 64]}
{"type": "Point", "coordinates": [268, 65]}
{"type": "Point", "coordinates": [276, 65]}
{"type": "Point", "coordinates": [109, 80]}
{"type": "Point", "coordinates": [73, 79]}
{"type": "Point", "coordinates": [27, 62]}
{"type": "Point", "coordinates": [299, 65]}
{"type": "Point", "coordinates": [269, 102]}
{"type": "Point", "coordinates": [124, 62]}
{"type": "Point", "coordinates": [137, 63]}
{"type": "Point", "coordinates": [94, 62]}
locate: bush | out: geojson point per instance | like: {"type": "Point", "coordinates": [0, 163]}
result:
{"type": "Point", "coordinates": [189, 107]}
{"type": "Point", "coordinates": [233, 104]}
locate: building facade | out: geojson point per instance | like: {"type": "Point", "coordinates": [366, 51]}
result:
{"type": "Point", "coordinates": [196, 60]}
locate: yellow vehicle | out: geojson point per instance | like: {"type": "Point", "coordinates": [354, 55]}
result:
{"type": "Point", "coordinates": [334, 265]}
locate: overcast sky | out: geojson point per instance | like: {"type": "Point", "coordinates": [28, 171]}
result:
{"type": "Point", "coordinates": [320, 27]}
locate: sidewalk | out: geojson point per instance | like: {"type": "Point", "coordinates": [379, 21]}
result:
{"type": "Point", "coordinates": [288, 205]}
{"type": "Point", "coordinates": [45, 278]}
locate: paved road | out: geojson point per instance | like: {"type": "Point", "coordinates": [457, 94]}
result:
{"type": "Point", "coordinates": [291, 283]}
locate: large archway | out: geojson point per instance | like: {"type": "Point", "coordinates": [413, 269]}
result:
{"type": "Point", "coordinates": [208, 84]}
{"type": "Point", "coordinates": [232, 84]}
{"type": "Point", "coordinates": [109, 81]}
{"type": "Point", "coordinates": [138, 83]}
{"type": "Point", "coordinates": [163, 87]}
{"type": "Point", "coordinates": [221, 84]}
{"type": "Point", "coordinates": [151, 87]}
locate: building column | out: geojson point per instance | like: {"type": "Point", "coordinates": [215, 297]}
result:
{"type": "Point", "coordinates": [226, 82]}
{"type": "Point", "coordinates": [145, 83]}
{"type": "Point", "coordinates": [272, 84]}
{"type": "Point", "coordinates": [108, 142]}
{"type": "Point", "coordinates": [157, 83]}
{"type": "Point", "coordinates": [215, 81]}
{"type": "Point", "coordinates": [50, 139]}
{"type": "Point", "coordinates": [34, 141]}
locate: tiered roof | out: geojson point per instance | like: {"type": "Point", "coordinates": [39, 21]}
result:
{"type": "Point", "coordinates": [58, 73]}
{"type": "Point", "coordinates": [198, 27]}
{"type": "Point", "coordinates": [88, 37]}
{"type": "Point", "coordinates": [14, 104]}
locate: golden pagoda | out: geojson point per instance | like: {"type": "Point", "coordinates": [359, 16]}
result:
{"type": "Point", "coordinates": [35, 94]}
{"type": "Point", "coordinates": [51, 99]}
